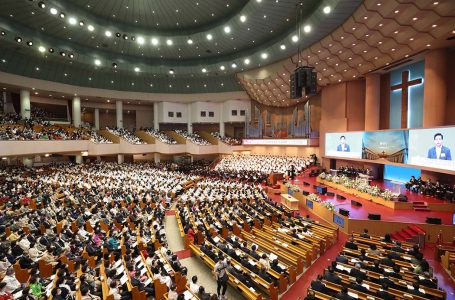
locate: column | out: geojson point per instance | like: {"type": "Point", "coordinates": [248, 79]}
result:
{"type": "Point", "coordinates": [222, 119]}
{"type": "Point", "coordinates": [157, 158]}
{"type": "Point", "coordinates": [120, 158]}
{"type": "Point", "coordinates": [189, 122]}
{"type": "Point", "coordinates": [119, 113]}
{"type": "Point", "coordinates": [372, 101]}
{"type": "Point", "coordinates": [79, 159]}
{"type": "Point", "coordinates": [156, 124]}
{"type": "Point", "coordinates": [25, 104]}
{"type": "Point", "coordinates": [97, 118]}
{"type": "Point", "coordinates": [435, 91]}
{"type": "Point", "coordinates": [76, 111]}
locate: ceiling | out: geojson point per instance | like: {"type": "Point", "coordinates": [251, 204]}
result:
{"type": "Point", "coordinates": [378, 36]}
{"type": "Point", "coordinates": [159, 46]}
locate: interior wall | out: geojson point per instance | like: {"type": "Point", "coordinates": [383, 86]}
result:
{"type": "Point", "coordinates": [282, 150]}
{"type": "Point", "coordinates": [144, 118]}
{"type": "Point", "coordinates": [450, 104]}
{"type": "Point", "coordinates": [384, 114]}
{"type": "Point", "coordinates": [315, 114]}
{"type": "Point", "coordinates": [355, 104]}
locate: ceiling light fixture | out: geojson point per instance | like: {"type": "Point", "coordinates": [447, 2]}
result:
{"type": "Point", "coordinates": [97, 62]}
{"type": "Point", "coordinates": [209, 37]}
{"type": "Point", "coordinates": [327, 10]}
{"type": "Point", "coordinates": [155, 41]}
{"type": "Point", "coordinates": [137, 69]}
{"type": "Point", "coordinates": [283, 47]}
{"type": "Point", "coordinates": [90, 28]}
{"type": "Point", "coordinates": [171, 71]}
{"type": "Point", "coordinates": [108, 33]}
{"type": "Point", "coordinates": [114, 65]}
{"type": "Point", "coordinates": [189, 41]}
{"type": "Point", "coordinates": [140, 40]}
{"type": "Point", "coordinates": [242, 18]}
{"type": "Point", "coordinates": [29, 43]}
{"type": "Point", "coordinates": [234, 65]}
{"type": "Point", "coordinates": [222, 68]}
{"type": "Point", "coordinates": [295, 38]}
{"type": "Point", "coordinates": [18, 39]}
{"type": "Point", "coordinates": [81, 23]}
{"type": "Point", "coordinates": [169, 42]}
{"type": "Point", "coordinates": [125, 37]}
{"type": "Point", "coordinates": [41, 49]}
{"type": "Point", "coordinates": [71, 55]}
{"type": "Point", "coordinates": [264, 55]}
{"type": "Point", "coordinates": [307, 28]}
{"type": "Point", "coordinates": [204, 70]}
{"type": "Point", "coordinates": [62, 15]}
{"type": "Point", "coordinates": [62, 53]}
{"type": "Point", "coordinates": [41, 4]}
{"type": "Point", "coordinates": [72, 21]}
{"type": "Point", "coordinates": [51, 50]}
{"type": "Point", "coordinates": [53, 11]}
{"type": "Point", "coordinates": [246, 61]}
{"type": "Point", "coordinates": [227, 29]}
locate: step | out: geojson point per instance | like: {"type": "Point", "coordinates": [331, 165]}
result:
{"type": "Point", "coordinates": [397, 237]}
{"type": "Point", "coordinates": [409, 232]}
{"type": "Point", "coordinates": [419, 206]}
{"type": "Point", "coordinates": [419, 202]}
{"type": "Point", "coordinates": [418, 229]}
{"type": "Point", "coordinates": [421, 209]}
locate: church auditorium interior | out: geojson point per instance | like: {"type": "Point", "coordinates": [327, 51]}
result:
{"type": "Point", "coordinates": [227, 149]}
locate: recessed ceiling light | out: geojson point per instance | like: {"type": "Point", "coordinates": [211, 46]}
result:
{"type": "Point", "coordinates": [137, 69]}
{"type": "Point", "coordinates": [114, 65]}
{"type": "Point", "coordinates": [51, 50]}
{"type": "Point", "coordinates": [264, 55]}
{"type": "Point", "coordinates": [234, 65]}
{"type": "Point", "coordinates": [90, 28]}
{"type": "Point", "coordinates": [227, 29]}
{"type": "Point", "coordinates": [295, 38]}
{"type": "Point", "coordinates": [204, 70]}
{"type": "Point", "coordinates": [222, 68]}
{"type": "Point", "coordinates": [81, 23]}
{"type": "Point", "coordinates": [209, 37]}
{"type": "Point", "coordinates": [242, 18]}
{"type": "Point", "coordinates": [71, 55]}
{"type": "Point", "coordinates": [3, 33]}
{"type": "Point", "coordinates": [169, 42]}
{"type": "Point", "coordinates": [62, 53]}
{"type": "Point", "coordinates": [246, 61]}
{"type": "Point", "coordinates": [97, 62]}
{"type": "Point", "coordinates": [307, 28]}
{"type": "Point", "coordinates": [30, 43]}
{"type": "Point", "coordinates": [72, 21]}
{"type": "Point", "coordinates": [41, 4]}
{"type": "Point", "coordinates": [171, 71]}
{"type": "Point", "coordinates": [53, 11]}
{"type": "Point", "coordinates": [189, 41]}
{"type": "Point", "coordinates": [41, 49]}
{"type": "Point", "coordinates": [327, 10]}
{"type": "Point", "coordinates": [283, 47]}
{"type": "Point", "coordinates": [18, 39]}
{"type": "Point", "coordinates": [108, 33]}
{"type": "Point", "coordinates": [155, 41]}
{"type": "Point", "coordinates": [62, 15]}
{"type": "Point", "coordinates": [140, 40]}
{"type": "Point", "coordinates": [258, 1]}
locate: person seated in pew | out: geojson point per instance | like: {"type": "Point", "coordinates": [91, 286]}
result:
{"type": "Point", "coordinates": [384, 294]}
{"type": "Point", "coordinates": [12, 283]}
{"type": "Point", "coordinates": [264, 275]}
{"type": "Point", "coordinates": [375, 267]}
{"type": "Point", "coordinates": [397, 247]}
{"type": "Point", "coordinates": [264, 261]}
{"type": "Point", "coordinates": [253, 252]}
{"type": "Point", "coordinates": [365, 234]}
{"type": "Point", "coordinates": [358, 286]}
{"type": "Point", "coordinates": [356, 272]}
{"type": "Point", "coordinates": [387, 238]}
{"type": "Point", "coordinates": [331, 276]}
{"type": "Point", "coordinates": [202, 295]}
{"type": "Point", "coordinates": [415, 290]}
{"type": "Point", "coordinates": [194, 287]}
{"type": "Point", "coordinates": [350, 244]}
{"type": "Point", "coordinates": [276, 267]}
{"type": "Point", "coordinates": [426, 281]}
{"type": "Point", "coordinates": [343, 294]}
{"type": "Point", "coordinates": [341, 259]}
{"type": "Point", "coordinates": [388, 260]}
{"type": "Point", "coordinates": [245, 279]}
{"type": "Point", "coordinates": [85, 293]}
{"type": "Point", "coordinates": [310, 296]}
{"type": "Point", "coordinates": [318, 285]}
{"type": "Point", "coordinates": [374, 250]}
{"type": "Point", "coordinates": [243, 259]}
{"type": "Point", "coordinates": [395, 272]}
{"type": "Point", "coordinates": [172, 293]}
{"type": "Point", "coordinates": [385, 280]}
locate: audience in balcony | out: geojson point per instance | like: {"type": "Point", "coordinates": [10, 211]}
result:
{"type": "Point", "coordinates": [226, 139]}
{"type": "Point", "coordinates": [160, 136]}
{"type": "Point", "coordinates": [193, 137]}
{"type": "Point", "coordinates": [126, 135]}
{"type": "Point", "coordinates": [99, 139]}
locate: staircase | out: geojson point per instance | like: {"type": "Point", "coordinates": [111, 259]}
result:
{"type": "Point", "coordinates": [411, 234]}
{"type": "Point", "coordinates": [420, 206]}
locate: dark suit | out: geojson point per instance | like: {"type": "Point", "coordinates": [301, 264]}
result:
{"type": "Point", "coordinates": [351, 245]}
{"type": "Point", "coordinates": [357, 273]}
{"type": "Point", "coordinates": [385, 295]}
{"type": "Point", "coordinates": [318, 286]}
{"type": "Point", "coordinates": [342, 259]}
{"type": "Point", "coordinates": [360, 288]}
{"type": "Point", "coordinates": [342, 296]}
{"type": "Point", "coordinates": [444, 155]}
{"type": "Point", "coordinates": [345, 149]}
{"type": "Point", "coordinates": [332, 277]}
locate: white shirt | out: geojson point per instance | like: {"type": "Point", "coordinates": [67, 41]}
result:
{"type": "Point", "coordinates": [194, 287]}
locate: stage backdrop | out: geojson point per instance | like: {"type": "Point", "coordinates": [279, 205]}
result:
{"type": "Point", "coordinates": [415, 96]}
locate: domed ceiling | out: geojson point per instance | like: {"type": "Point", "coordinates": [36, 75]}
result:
{"type": "Point", "coordinates": [159, 46]}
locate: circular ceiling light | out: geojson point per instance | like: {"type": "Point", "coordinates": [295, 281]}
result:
{"type": "Point", "coordinates": [51, 50]}
{"type": "Point", "coordinates": [171, 71]}
{"type": "Point", "coordinates": [71, 55]}
{"type": "Point", "coordinates": [264, 55]}
{"type": "Point", "coordinates": [62, 53]}
{"type": "Point", "coordinates": [204, 70]}
{"type": "Point", "coordinates": [169, 42]}
{"type": "Point", "coordinates": [18, 39]}
{"type": "Point", "coordinates": [137, 69]}
{"type": "Point", "coordinates": [242, 18]}
{"type": "Point", "coordinates": [227, 29]}
{"type": "Point", "coordinates": [246, 61]}
{"type": "Point", "coordinates": [30, 43]}
{"type": "Point", "coordinates": [3, 33]}
{"type": "Point", "coordinates": [155, 41]}
{"type": "Point", "coordinates": [114, 65]}
{"type": "Point", "coordinates": [307, 28]}
{"type": "Point", "coordinates": [140, 40]}
{"type": "Point", "coordinates": [41, 4]}
{"type": "Point", "coordinates": [283, 47]}
{"type": "Point", "coordinates": [72, 21]}
{"type": "Point", "coordinates": [118, 34]}
{"type": "Point", "coordinates": [62, 15]}
{"type": "Point", "coordinates": [41, 49]}
{"type": "Point", "coordinates": [327, 10]}
{"type": "Point", "coordinates": [234, 65]}
{"type": "Point", "coordinates": [81, 23]}
{"type": "Point", "coordinates": [97, 62]}
{"type": "Point", "coordinates": [258, 1]}
{"type": "Point", "coordinates": [222, 68]}
{"type": "Point", "coordinates": [90, 28]}
{"type": "Point", "coordinates": [189, 41]}
{"type": "Point", "coordinates": [53, 11]}
{"type": "Point", "coordinates": [125, 37]}
{"type": "Point", "coordinates": [209, 37]}
{"type": "Point", "coordinates": [295, 38]}
{"type": "Point", "coordinates": [133, 38]}
{"type": "Point", "coordinates": [108, 33]}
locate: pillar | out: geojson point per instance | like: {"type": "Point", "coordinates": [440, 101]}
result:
{"type": "Point", "coordinates": [156, 124]}
{"type": "Point", "coordinates": [157, 158]}
{"type": "Point", "coordinates": [120, 158]}
{"type": "Point", "coordinates": [25, 104]}
{"type": "Point", "coordinates": [372, 101]}
{"type": "Point", "coordinates": [27, 162]}
{"type": "Point", "coordinates": [435, 91]}
{"type": "Point", "coordinates": [76, 111]}
{"type": "Point", "coordinates": [119, 113]}
{"type": "Point", "coordinates": [221, 119]}
{"type": "Point", "coordinates": [189, 122]}
{"type": "Point", "coordinates": [97, 118]}
{"type": "Point", "coordinates": [79, 159]}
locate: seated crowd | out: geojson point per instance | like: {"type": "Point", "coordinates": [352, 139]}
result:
{"type": "Point", "coordinates": [193, 137]}
{"type": "Point", "coordinates": [126, 135]}
{"type": "Point", "coordinates": [99, 139]}
{"type": "Point", "coordinates": [436, 189]}
{"type": "Point", "coordinates": [226, 139]}
{"type": "Point", "coordinates": [88, 231]}
{"type": "Point", "coordinates": [353, 172]}
{"type": "Point", "coordinates": [379, 268]}
{"type": "Point", "coordinates": [160, 136]}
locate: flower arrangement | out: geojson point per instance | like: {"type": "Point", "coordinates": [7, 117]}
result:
{"type": "Point", "coordinates": [387, 195]}
{"type": "Point", "coordinates": [295, 189]}
{"type": "Point", "coordinates": [329, 205]}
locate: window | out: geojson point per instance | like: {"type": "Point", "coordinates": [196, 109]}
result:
{"type": "Point", "coordinates": [179, 114]}
{"type": "Point", "coordinates": [211, 114]}
{"type": "Point", "coordinates": [203, 114]}
{"type": "Point", "coordinates": [234, 112]}
{"type": "Point", "coordinates": [170, 114]}
{"type": "Point", "coordinates": [242, 112]}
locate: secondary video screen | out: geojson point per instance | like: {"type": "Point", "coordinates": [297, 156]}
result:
{"type": "Point", "coordinates": [391, 145]}
{"type": "Point", "coordinates": [344, 144]}
{"type": "Point", "coordinates": [432, 147]}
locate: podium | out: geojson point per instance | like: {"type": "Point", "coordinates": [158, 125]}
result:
{"type": "Point", "coordinates": [290, 202]}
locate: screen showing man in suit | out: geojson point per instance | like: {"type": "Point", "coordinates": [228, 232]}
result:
{"type": "Point", "coordinates": [343, 147]}
{"type": "Point", "coordinates": [438, 154]}
{"type": "Point", "coordinates": [439, 151]}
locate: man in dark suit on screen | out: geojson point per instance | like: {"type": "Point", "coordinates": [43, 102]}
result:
{"type": "Point", "coordinates": [343, 147]}
{"type": "Point", "coordinates": [439, 151]}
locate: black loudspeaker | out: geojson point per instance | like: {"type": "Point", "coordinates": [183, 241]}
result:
{"type": "Point", "coordinates": [355, 203]}
{"type": "Point", "coordinates": [344, 212]}
{"type": "Point", "coordinates": [374, 217]}
{"type": "Point", "coordinates": [311, 87]}
{"type": "Point", "coordinates": [402, 198]}
{"type": "Point", "coordinates": [434, 220]}
{"type": "Point", "coordinates": [341, 197]}
{"type": "Point", "coordinates": [330, 194]}
{"type": "Point", "coordinates": [306, 193]}
{"type": "Point", "coordinates": [295, 87]}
